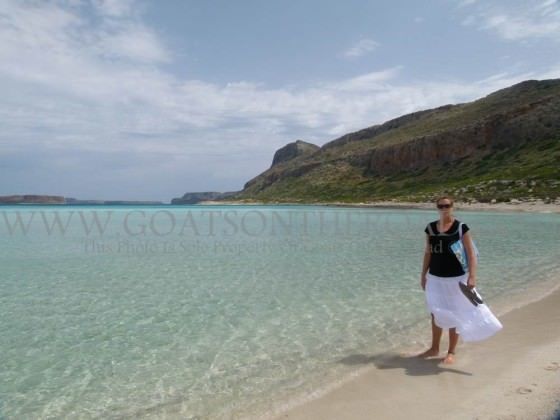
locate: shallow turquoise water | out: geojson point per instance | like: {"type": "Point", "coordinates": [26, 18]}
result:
{"type": "Point", "coordinates": [205, 312]}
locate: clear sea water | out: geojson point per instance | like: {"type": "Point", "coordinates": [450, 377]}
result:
{"type": "Point", "coordinates": [224, 311]}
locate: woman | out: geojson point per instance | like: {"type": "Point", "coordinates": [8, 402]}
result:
{"type": "Point", "coordinates": [448, 306]}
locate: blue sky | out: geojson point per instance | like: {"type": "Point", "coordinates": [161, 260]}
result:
{"type": "Point", "coordinates": [151, 99]}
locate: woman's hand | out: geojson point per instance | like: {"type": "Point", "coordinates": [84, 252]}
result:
{"type": "Point", "coordinates": [423, 282]}
{"type": "Point", "coordinates": [471, 282]}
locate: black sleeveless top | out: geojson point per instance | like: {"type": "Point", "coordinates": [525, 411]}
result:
{"type": "Point", "coordinates": [442, 262]}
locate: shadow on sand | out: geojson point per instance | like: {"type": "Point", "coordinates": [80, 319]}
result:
{"type": "Point", "coordinates": [412, 365]}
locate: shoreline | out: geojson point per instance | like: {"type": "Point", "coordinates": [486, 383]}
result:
{"type": "Point", "coordinates": [537, 206]}
{"type": "Point", "coordinates": [514, 374]}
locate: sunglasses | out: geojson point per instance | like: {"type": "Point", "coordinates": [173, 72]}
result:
{"type": "Point", "coordinates": [444, 206]}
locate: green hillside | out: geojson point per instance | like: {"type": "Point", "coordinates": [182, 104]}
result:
{"type": "Point", "coordinates": [528, 171]}
{"type": "Point", "coordinates": [500, 147]}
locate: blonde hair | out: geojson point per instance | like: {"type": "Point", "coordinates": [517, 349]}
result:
{"type": "Point", "coordinates": [443, 197]}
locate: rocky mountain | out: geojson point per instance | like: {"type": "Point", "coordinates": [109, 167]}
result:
{"type": "Point", "coordinates": [293, 150]}
{"type": "Point", "coordinates": [510, 135]}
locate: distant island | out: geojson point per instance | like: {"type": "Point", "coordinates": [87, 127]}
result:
{"type": "Point", "coordinates": [60, 200]}
{"type": "Point", "coordinates": [31, 199]}
{"type": "Point", "coordinates": [196, 197]}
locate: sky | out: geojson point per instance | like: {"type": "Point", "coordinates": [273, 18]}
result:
{"type": "Point", "coordinates": [148, 100]}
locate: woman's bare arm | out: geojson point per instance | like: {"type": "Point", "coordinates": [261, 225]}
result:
{"type": "Point", "coordinates": [467, 241]}
{"type": "Point", "coordinates": [426, 262]}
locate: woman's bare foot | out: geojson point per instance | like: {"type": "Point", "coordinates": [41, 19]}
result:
{"type": "Point", "coordinates": [449, 359]}
{"type": "Point", "coordinates": [429, 353]}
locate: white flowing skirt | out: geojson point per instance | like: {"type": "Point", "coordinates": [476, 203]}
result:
{"type": "Point", "coordinates": [452, 309]}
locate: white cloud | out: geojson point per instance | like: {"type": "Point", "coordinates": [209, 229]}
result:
{"type": "Point", "coordinates": [361, 48]}
{"type": "Point", "coordinates": [114, 8]}
{"type": "Point", "coordinates": [366, 82]}
{"type": "Point", "coordinates": [132, 42]}
{"type": "Point", "coordinates": [516, 21]}
{"type": "Point", "coordinates": [67, 92]}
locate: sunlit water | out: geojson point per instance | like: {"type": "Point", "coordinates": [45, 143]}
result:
{"type": "Point", "coordinates": [218, 312]}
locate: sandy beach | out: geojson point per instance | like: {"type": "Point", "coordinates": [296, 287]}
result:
{"type": "Point", "coordinates": [513, 375]}
{"type": "Point", "coordinates": [537, 206]}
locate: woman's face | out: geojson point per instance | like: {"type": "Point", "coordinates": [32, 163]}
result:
{"type": "Point", "coordinates": [445, 207]}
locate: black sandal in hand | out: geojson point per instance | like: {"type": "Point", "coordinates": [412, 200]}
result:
{"type": "Point", "coordinates": [471, 294]}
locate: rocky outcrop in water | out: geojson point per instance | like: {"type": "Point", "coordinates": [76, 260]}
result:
{"type": "Point", "coordinates": [196, 197]}
{"type": "Point", "coordinates": [32, 199]}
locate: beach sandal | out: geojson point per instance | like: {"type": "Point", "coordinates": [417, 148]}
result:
{"type": "Point", "coordinates": [471, 294]}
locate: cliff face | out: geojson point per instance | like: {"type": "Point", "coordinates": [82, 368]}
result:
{"type": "Point", "coordinates": [289, 154]}
{"type": "Point", "coordinates": [528, 122]}
{"type": "Point", "coordinates": [292, 150]}
{"type": "Point", "coordinates": [376, 130]}
{"type": "Point", "coordinates": [524, 113]}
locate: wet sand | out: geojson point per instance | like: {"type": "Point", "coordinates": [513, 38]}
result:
{"type": "Point", "coordinates": [537, 206]}
{"type": "Point", "coordinates": [512, 375]}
